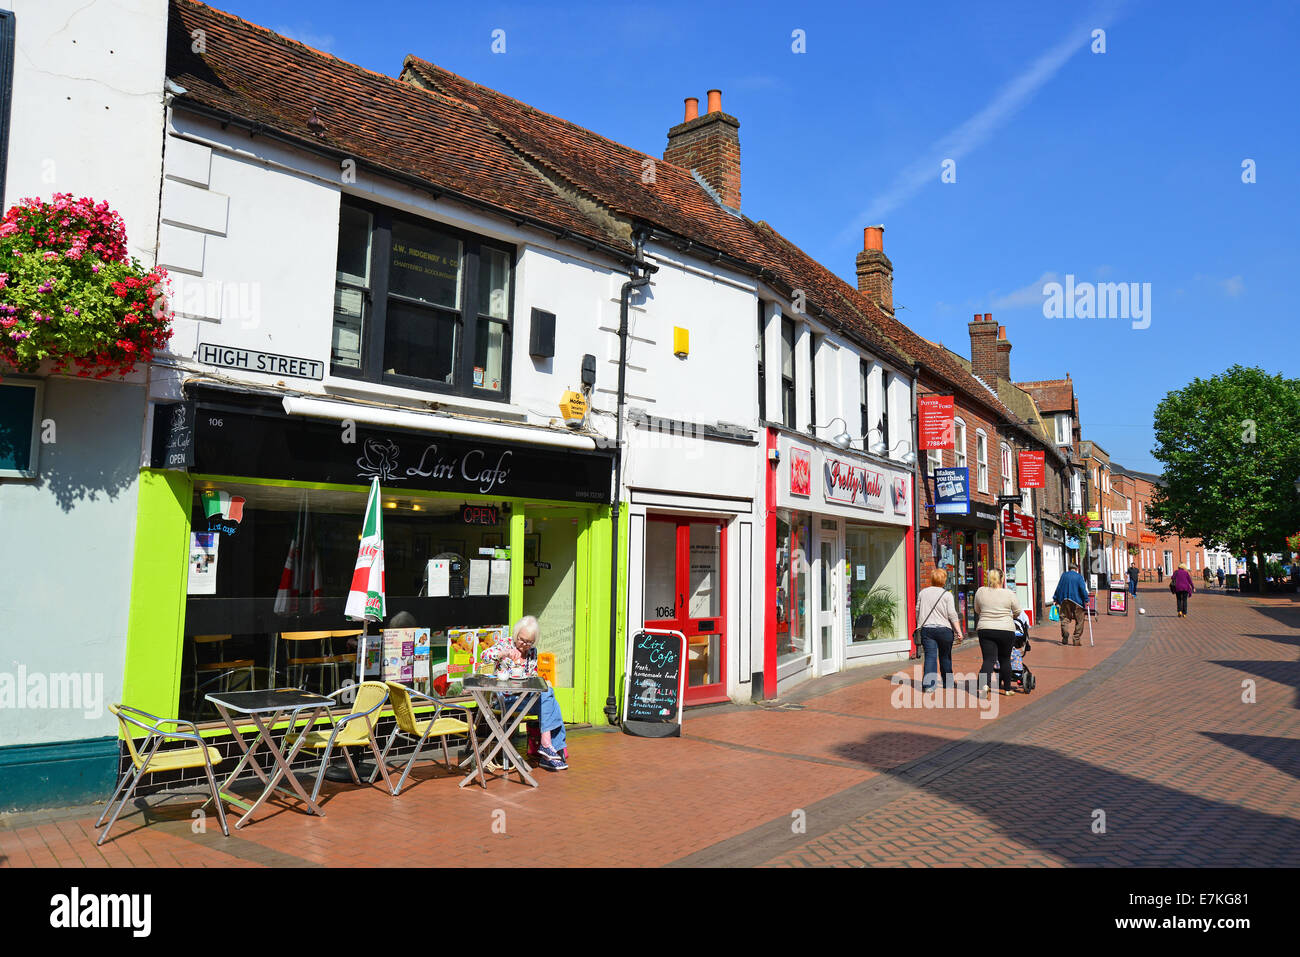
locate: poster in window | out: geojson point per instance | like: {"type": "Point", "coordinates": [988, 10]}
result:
{"type": "Point", "coordinates": [800, 472]}
{"type": "Point", "coordinates": [203, 563]}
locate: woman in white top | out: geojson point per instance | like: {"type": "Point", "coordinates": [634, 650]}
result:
{"type": "Point", "coordinates": [996, 608]}
{"type": "Point", "coordinates": [936, 617]}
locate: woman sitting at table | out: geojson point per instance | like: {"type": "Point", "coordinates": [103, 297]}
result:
{"type": "Point", "coordinates": [551, 753]}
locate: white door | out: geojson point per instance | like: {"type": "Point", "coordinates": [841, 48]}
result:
{"type": "Point", "coordinates": [829, 589]}
{"type": "Point", "coordinates": [1051, 570]}
{"type": "Point", "coordinates": [1017, 572]}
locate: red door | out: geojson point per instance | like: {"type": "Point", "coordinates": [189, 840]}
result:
{"type": "Point", "coordinates": [685, 558]}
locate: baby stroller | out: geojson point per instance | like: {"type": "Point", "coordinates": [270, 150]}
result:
{"type": "Point", "coordinates": [1019, 648]}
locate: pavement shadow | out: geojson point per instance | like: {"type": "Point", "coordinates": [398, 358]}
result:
{"type": "Point", "coordinates": [1285, 614]}
{"type": "Point", "coordinates": [1038, 796]}
{"type": "Point", "coordinates": [1283, 672]}
{"type": "Point", "coordinates": [1281, 753]}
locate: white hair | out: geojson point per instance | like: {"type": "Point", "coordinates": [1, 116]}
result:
{"type": "Point", "coordinates": [527, 623]}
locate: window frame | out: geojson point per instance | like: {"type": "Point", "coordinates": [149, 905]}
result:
{"type": "Point", "coordinates": [8, 40]}
{"type": "Point", "coordinates": [1008, 474]}
{"type": "Point", "coordinates": [982, 461]}
{"type": "Point", "coordinates": [864, 400]}
{"type": "Point", "coordinates": [789, 405]}
{"type": "Point", "coordinates": [468, 312]}
{"type": "Point", "coordinates": [762, 356]}
{"type": "Point", "coordinates": [33, 470]}
{"type": "Point", "coordinates": [813, 341]}
{"type": "Point", "coordinates": [960, 459]}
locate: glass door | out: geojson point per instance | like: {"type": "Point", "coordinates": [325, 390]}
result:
{"type": "Point", "coordinates": [830, 588]}
{"type": "Point", "coordinates": [684, 592]}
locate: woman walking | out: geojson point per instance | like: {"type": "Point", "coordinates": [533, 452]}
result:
{"type": "Point", "coordinates": [1181, 585]}
{"type": "Point", "coordinates": [996, 609]}
{"type": "Point", "coordinates": [936, 617]}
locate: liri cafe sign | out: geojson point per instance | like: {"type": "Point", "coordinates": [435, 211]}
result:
{"type": "Point", "coordinates": [852, 484]}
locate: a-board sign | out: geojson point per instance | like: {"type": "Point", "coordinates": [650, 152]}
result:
{"type": "Point", "coordinates": [656, 681]}
{"type": "Point", "coordinates": [1118, 604]}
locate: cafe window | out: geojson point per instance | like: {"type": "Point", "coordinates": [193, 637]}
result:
{"type": "Point", "coordinates": [420, 305]}
{"type": "Point", "coordinates": [787, 372]}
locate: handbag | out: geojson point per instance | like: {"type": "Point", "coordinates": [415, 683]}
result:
{"type": "Point", "coordinates": [916, 632]}
{"type": "Point", "coordinates": [1172, 589]}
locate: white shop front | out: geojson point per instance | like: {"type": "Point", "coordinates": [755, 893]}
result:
{"type": "Point", "coordinates": [839, 536]}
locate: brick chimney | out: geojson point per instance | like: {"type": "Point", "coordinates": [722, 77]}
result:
{"type": "Point", "coordinates": [1004, 351]}
{"type": "Point", "coordinates": [875, 271]}
{"type": "Point", "coordinates": [984, 347]}
{"type": "Point", "coordinates": [709, 145]}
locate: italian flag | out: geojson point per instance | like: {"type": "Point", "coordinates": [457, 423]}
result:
{"type": "Point", "coordinates": [366, 596]}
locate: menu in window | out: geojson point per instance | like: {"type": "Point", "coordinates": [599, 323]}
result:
{"type": "Point", "coordinates": [203, 563]}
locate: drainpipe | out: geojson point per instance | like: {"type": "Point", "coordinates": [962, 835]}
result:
{"type": "Point", "coordinates": [916, 496]}
{"type": "Point", "coordinates": [640, 276]}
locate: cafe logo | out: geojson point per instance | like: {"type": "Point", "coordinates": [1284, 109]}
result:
{"type": "Point", "coordinates": [379, 460]}
{"type": "Point", "coordinates": [224, 511]}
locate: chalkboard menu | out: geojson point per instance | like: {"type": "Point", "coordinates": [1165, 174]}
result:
{"type": "Point", "coordinates": [652, 697]}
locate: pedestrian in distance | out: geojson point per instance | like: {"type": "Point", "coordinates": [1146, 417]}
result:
{"type": "Point", "coordinates": [1160, 573]}
{"type": "Point", "coordinates": [1181, 585]}
{"type": "Point", "coordinates": [936, 617]}
{"type": "Point", "coordinates": [1071, 597]}
{"type": "Point", "coordinates": [996, 609]}
{"type": "Point", "coordinates": [1220, 576]}
{"type": "Point", "coordinates": [1132, 578]}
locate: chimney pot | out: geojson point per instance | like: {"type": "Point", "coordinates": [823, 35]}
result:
{"type": "Point", "coordinates": [1002, 332]}
{"type": "Point", "coordinates": [873, 237]}
{"type": "Point", "coordinates": [988, 317]}
{"type": "Point", "coordinates": [715, 101]}
{"type": "Point", "coordinates": [692, 108]}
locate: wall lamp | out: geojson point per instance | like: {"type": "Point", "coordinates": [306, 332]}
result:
{"type": "Point", "coordinates": [843, 440]}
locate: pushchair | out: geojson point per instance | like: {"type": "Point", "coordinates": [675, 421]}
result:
{"type": "Point", "coordinates": [1019, 648]}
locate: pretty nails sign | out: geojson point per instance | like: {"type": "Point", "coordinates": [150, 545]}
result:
{"type": "Point", "coordinates": [854, 485]}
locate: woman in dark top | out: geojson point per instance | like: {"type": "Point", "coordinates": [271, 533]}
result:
{"type": "Point", "coordinates": [1181, 585]}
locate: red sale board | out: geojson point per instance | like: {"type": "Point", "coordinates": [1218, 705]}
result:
{"type": "Point", "coordinates": [936, 424]}
{"type": "Point", "coordinates": [1033, 469]}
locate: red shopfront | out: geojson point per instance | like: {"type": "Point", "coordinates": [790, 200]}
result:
{"type": "Point", "coordinates": [1018, 557]}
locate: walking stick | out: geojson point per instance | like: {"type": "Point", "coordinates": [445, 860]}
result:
{"type": "Point", "coordinates": [1088, 614]}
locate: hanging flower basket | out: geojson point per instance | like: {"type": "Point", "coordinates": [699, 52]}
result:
{"type": "Point", "coordinates": [70, 294]}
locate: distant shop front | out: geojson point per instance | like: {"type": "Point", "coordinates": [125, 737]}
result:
{"type": "Point", "coordinates": [963, 539]}
{"type": "Point", "coordinates": [840, 558]}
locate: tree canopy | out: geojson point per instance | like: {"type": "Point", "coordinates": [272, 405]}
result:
{"type": "Point", "coordinates": [1230, 446]}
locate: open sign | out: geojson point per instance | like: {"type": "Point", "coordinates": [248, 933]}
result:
{"type": "Point", "coordinates": [478, 514]}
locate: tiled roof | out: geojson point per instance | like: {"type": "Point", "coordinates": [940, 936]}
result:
{"type": "Point", "coordinates": [246, 71]}
{"type": "Point", "coordinates": [1024, 413]}
{"type": "Point", "coordinates": [1052, 395]}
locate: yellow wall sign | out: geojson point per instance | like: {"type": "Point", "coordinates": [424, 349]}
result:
{"type": "Point", "coordinates": [573, 407]}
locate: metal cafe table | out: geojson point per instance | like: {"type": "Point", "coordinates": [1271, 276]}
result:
{"type": "Point", "coordinates": [266, 709]}
{"type": "Point", "coordinates": [527, 692]}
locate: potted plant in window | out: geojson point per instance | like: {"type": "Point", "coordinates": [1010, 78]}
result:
{"type": "Point", "coordinates": [874, 611]}
{"type": "Point", "coordinates": [70, 294]}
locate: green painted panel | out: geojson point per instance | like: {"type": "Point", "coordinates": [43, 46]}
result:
{"type": "Point", "coordinates": [57, 775]}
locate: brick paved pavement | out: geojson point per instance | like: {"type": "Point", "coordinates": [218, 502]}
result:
{"type": "Point", "coordinates": [1148, 727]}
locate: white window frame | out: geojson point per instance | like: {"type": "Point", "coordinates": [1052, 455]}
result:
{"type": "Point", "coordinates": [982, 459]}
{"type": "Point", "coordinates": [959, 436]}
{"type": "Point", "coordinates": [1062, 428]}
{"type": "Point", "coordinates": [1008, 478]}
{"type": "Point", "coordinates": [38, 407]}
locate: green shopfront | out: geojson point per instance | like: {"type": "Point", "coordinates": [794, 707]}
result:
{"type": "Point", "coordinates": [249, 524]}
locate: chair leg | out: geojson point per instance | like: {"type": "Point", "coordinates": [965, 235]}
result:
{"type": "Point", "coordinates": [120, 785]}
{"type": "Point", "coordinates": [126, 797]}
{"type": "Point", "coordinates": [216, 797]}
{"type": "Point", "coordinates": [388, 782]}
{"type": "Point", "coordinates": [320, 775]}
{"type": "Point", "coordinates": [384, 759]}
{"type": "Point", "coordinates": [478, 763]}
{"type": "Point", "coordinates": [347, 756]}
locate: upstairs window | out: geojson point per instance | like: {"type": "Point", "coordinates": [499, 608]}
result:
{"type": "Point", "coordinates": [1008, 477]}
{"type": "Point", "coordinates": [1062, 428]}
{"type": "Point", "coordinates": [982, 459]}
{"type": "Point", "coordinates": [420, 305]}
{"type": "Point", "coordinates": [6, 88]}
{"type": "Point", "coordinates": [813, 341]}
{"type": "Point", "coordinates": [864, 405]}
{"type": "Point", "coordinates": [959, 430]}
{"type": "Point", "coordinates": [762, 371]}
{"type": "Point", "coordinates": [787, 372]}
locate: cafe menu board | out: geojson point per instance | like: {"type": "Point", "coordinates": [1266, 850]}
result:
{"type": "Point", "coordinates": [652, 695]}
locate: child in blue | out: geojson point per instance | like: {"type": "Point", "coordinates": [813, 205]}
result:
{"type": "Point", "coordinates": [551, 753]}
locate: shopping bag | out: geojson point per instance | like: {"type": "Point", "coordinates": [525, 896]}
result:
{"type": "Point", "coordinates": [1054, 614]}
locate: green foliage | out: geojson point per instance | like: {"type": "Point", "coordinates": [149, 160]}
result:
{"type": "Point", "coordinates": [878, 602]}
{"type": "Point", "coordinates": [1230, 446]}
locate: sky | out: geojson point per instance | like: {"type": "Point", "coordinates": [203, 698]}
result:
{"type": "Point", "coordinates": [1117, 157]}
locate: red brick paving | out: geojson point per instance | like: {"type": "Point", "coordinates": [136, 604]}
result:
{"type": "Point", "coordinates": [1157, 738]}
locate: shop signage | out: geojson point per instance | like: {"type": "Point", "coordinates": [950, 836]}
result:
{"type": "Point", "coordinates": [1033, 469]}
{"type": "Point", "coordinates": [1052, 532]}
{"type": "Point", "coordinates": [1019, 525]}
{"type": "Point", "coordinates": [1071, 541]}
{"type": "Point", "coordinates": [800, 471]}
{"type": "Point", "coordinates": [1094, 521]}
{"type": "Point", "coordinates": [936, 422]}
{"type": "Point", "coordinates": [1118, 604]}
{"type": "Point", "coordinates": [652, 695]}
{"type": "Point", "coordinates": [854, 485]}
{"type": "Point", "coordinates": [174, 435]}
{"type": "Point", "coordinates": [1148, 539]}
{"type": "Point", "coordinates": [264, 444]}
{"type": "Point", "coordinates": [952, 491]}
{"type": "Point", "coordinates": [981, 512]}
{"type": "Point", "coordinates": [228, 357]}
{"type": "Point", "coordinates": [478, 514]}
{"type": "Point", "coordinates": [1121, 516]}
{"type": "Point", "coordinates": [901, 503]}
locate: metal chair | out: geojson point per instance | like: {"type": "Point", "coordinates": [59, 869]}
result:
{"type": "Point", "coordinates": [147, 759]}
{"type": "Point", "coordinates": [353, 730]}
{"type": "Point", "coordinates": [438, 727]}
{"type": "Point", "coordinates": [220, 671]}
{"type": "Point", "coordinates": [301, 663]}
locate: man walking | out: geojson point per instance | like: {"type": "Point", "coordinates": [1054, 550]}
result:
{"type": "Point", "coordinates": [1220, 575]}
{"type": "Point", "coordinates": [1072, 597]}
{"type": "Point", "coordinates": [1132, 579]}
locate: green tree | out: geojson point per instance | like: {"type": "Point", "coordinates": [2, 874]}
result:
{"type": "Point", "coordinates": [1230, 446]}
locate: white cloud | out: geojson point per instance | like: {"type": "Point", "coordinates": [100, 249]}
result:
{"type": "Point", "coordinates": [973, 133]}
{"type": "Point", "coordinates": [1233, 286]}
{"type": "Point", "coordinates": [319, 41]}
{"type": "Point", "coordinates": [1031, 295]}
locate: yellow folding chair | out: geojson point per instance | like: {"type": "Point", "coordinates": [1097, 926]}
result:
{"type": "Point", "coordinates": [421, 731]}
{"type": "Point", "coordinates": [147, 759]}
{"type": "Point", "coordinates": [353, 730]}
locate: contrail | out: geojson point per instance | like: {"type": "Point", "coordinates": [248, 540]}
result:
{"type": "Point", "coordinates": [978, 128]}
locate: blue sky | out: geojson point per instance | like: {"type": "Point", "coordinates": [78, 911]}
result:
{"type": "Point", "coordinates": [1122, 166]}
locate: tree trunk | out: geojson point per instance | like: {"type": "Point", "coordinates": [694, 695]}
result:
{"type": "Point", "coordinates": [1259, 559]}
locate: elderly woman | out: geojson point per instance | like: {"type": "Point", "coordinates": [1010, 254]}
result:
{"type": "Point", "coordinates": [936, 617]}
{"type": "Point", "coordinates": [1181, 585]}
{"type": "Point", "coordinates": [996, 609]}
{"type": "Point", "coordinates": [552, 752]}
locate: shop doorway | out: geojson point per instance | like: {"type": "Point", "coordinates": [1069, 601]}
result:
{"type": "Point", "coordinates": [1018, 571]}
{"type": "Point", "coordinates": [550, 593]}
{"type": "Point", "coordinates": [830, 588]}
{"type": "Point", "coordinates": [684, 592]}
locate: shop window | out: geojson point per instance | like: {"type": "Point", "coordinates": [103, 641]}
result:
{"type": "Point", "coordinates": [270, 568]}
{"type": "Point", "coordinates": [420, 305]}
{"type": "Point", "coordinates": [793, 541]}
{"type": "Point", "coordinates": [876, 559]}
{"type": "Point", "coordinates": [787, 373]}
